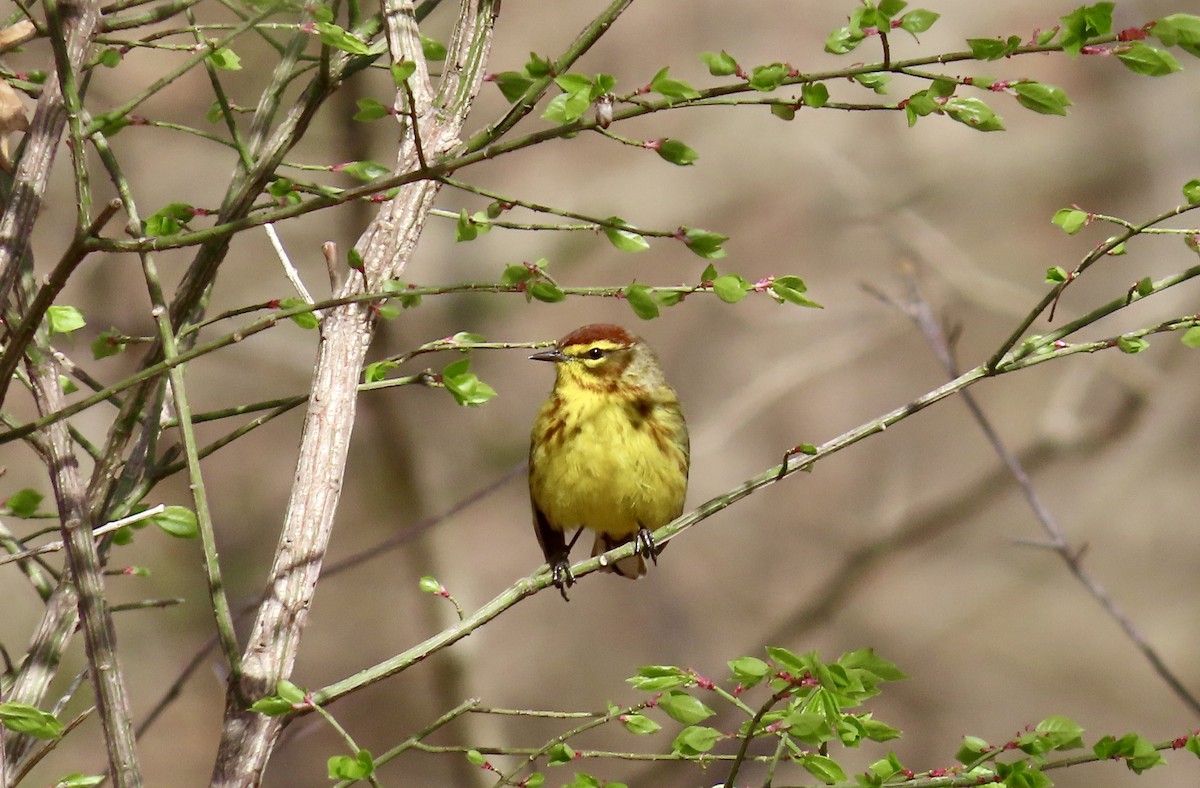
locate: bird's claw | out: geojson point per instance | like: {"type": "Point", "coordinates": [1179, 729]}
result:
{"type": "Point", "coordinates": [644, 545]}
{"type": "Point", "coordinates": [560, 572]}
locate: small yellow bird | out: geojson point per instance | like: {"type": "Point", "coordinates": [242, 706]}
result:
{"type": "Point", "coordinates": [609, 450]}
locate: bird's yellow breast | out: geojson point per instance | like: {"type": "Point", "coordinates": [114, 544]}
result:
{"type": "Point", "coordinates": [611, 461]}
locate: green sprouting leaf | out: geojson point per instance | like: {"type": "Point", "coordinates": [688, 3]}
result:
{"type": "Point", "coordinates": [875, 80]}
{"type": "Point", "coordinates": [1082, 24]}
{"type": "Point", "coordinates": [814, 94]}
{"type": "Point", "coordinates": [369, 110]}
{"type": "Point", "coordinates": [1141, 58]}
{"type": "Point", "coordinates": [306, 320]}
{"type": "Point", "coordinates": [23, 718]}
{"type": "Point", "coordinates": [888, 9]}
{"type": "Point", "coordinates": [402, 71]}
{"type": "Point", "coordinates": [339, 38]}
{"type": "Point", "coordinates": [1131, 344]}
{"type": "Point", "coordinates": [720, 64]}
{"type": "Point", "coordinates": [640, 724]}
{"type": "Point", "coordinates": [67, 385]}
{"type": "Point", "coordinates": [464, 228]}
{"type": "Point", "coordinates": [434, 50]}
{"type": "Point", "coordinates": [377, 371]}
{"type": "Point", "coordinates": [1042, 98]}
{"type": "Point", "coordinates": [110, 58]}
{"type": "Point", "coordinates": [843, 40]}
{"type": "Point", "coordinates": [80, 780]}
{"type": "Point", "coordinates": [343, 767]}
{"type": "Point", "coordinates": [993, 48]}
{"type": "Point", "coordinates": [1191, 338]}
{"type": "Point", "coordinates": [749, 671]}
{"type": "Point", "coordinates": [545, 291]}
{"type": "Point", "coordinates": [515, 275]}
{"type": "Point", "coordinates": [64, 319]}
{"type": "Point", "coordinates": [625, 240]}
{"type": "Point", "coordinates": [169, 220]}
{"type": "Point", "coordinates": [512, 84]}
{"type": "Point", "coordinates": [918, 20]}
{"type": "Point", "coordinates": [973, 112]}
{"type": "Point", "coordinates": [1182, 30]}
{"type": "Point", "coordinates": [1191, 191]}
{"type": "Point", "coordinates": [1062, 732]}
{"type": "Point", "coordinates": [559, 754]}
{"type": "Point", "coordinates": [475, 758]}
{"type": "Point", "coordinates": [538, 66]}
{"type": "Point", "coordinates": [225, 59]}
{"type": "Point", "coordinates": [641, 301]}
{"type": "Point", "coordinates": [825, 769]}
{"type": "Point", "coordinates": [704, 243]}
{"type": "Point", "coordinates": [656, 678]}
{"type": "Point", "coordinates": [284, 192]}
{"type": "Point", "coordinates": [567, 107]}
{"type": "Point", "coordinates": [694, 740]}
{"type": "Point", "coordinates": [730, 288]}
{"type": "Point", "coordinates": [865, 659]}
{"type": "Point", "coordinates": [23, 503]}
{"type": "Point", "coordinates": [365, 170]}
{"type": "Point", "coordinates": [583, 780]}
{"type": "Point", "coordinates": [1056, 275]}
{"type": "Point", "coordinates": [178, 521]}
{"type": "Point", "coordinates": [792, 289]}
{"type": "Point", "coordinates": [876, 730]}
{"type": "Point", "coordinates": [792, 663]}
{"type": "Point", "coordinates": [769, 77]}
{"type": "Point", "coordinates": [672, 88]}
{"type": "Point", "coordinates": [1072, 220]}
{"type": "Point", "coordinates": [429, 585]}
{"type": "Point", "coordinates": [1144, 286]}
{"type": "Point", "coordinates": [676, 152]}
{"type": "Point", "coordinates": [466, 388]}
{"type": "Point", "coordinates": [784, 111]}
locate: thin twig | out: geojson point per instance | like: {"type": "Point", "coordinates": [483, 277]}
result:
{"type": "Point", "coordinates": [289, 270]}
{"type": "Point", "coordinates": [53, 547]}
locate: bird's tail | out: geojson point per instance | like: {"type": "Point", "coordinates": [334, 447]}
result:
{"type": "Point", "coordinates": [632, 567]}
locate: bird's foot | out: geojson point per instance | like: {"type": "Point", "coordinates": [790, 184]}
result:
{"type": "Point", "coordinates": [644, 545]}
{"type": "Point", "coordinates": [560, 571]}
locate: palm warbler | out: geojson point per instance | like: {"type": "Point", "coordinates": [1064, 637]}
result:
{"type": "Point", "coordinates": [609, 450]}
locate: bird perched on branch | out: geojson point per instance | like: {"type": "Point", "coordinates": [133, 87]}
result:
{"type": "Point", "coordinates": [609, 450]}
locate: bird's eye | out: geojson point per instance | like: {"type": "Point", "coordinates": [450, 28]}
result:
{"type": "Point", "coordinates": [594, 353]}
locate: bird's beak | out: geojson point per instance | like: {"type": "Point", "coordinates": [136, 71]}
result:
{"type": "Point", "coordinates": [553, 354]}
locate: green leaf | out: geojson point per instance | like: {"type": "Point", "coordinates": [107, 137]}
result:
{"type": "Point", "coordinates": [586, 781]}
{"type": "Point", "coordinates": [825, 769]}
{"type": "Point", "coordinates": [515, 275]}
{"type": "Point", "coordinates": [1182, 30]}
{"type": "Point", "coordinates": [465, 229]}
{"type": "Point", "coordinates": [306, 320]}
{"type": "Point", "coordinates": [110, 58]}
{"type": "Point", "coordinates": [973, 112]}
{"type": "Point", "coordinates": [1141, 58]}
{"type": "Point", "coordinates": [1191, 191]}
{"type": "Point", "coordinates": [704, 243]}
{"type": "Point", "coordinates": [1131, 345]}
{"type": "Point", "coordinates": [993, 48]}
{"type": "Point", "coordinates": [783, 111]}
{"type": "Point", "coordinates": [567, 107]}
{"type": "Point", "coordinates": [369, 110]}
{"type": "Point", "coordinates": [339, 38]}
{"type": "Point", "coordinates": [434, 50]}
{"type": "Point", "coordinates": [641, 300]}
{"type": "Point", "coordinates": [475, 758]}
{"type": "Point", "coordinates": [23, 718]}
{"type": "Point", "coordinates": [749, 671]}
{"type": "Point", "coordinates": [656, 678]}
{"type": "Point", "coordinates": [676, 152]}
{"type": "Point", "coordinates": [80, 780]}
{"type": "Point", "coordinates": [843, 40]}
{"type": "Point", "coordinates": [672, 88]}
{"type": "Point", "coordinates": [24, 503]}
{"type": "Point", "coordinates": [684, 708]}
{"type": "Point", "coordinates": [225, 59]}
{"type": "Point", "coordinates": [559, 754]}
{"type": "Point", "coordinates": [1042, 98]}
{"type": "Point", "coordinates": [1191, 338]}
{"type": "Point", "coordinates": [178, 521]}
{"type": "Point", "coordinates": [866, 659]}
{"type": "Point", "coordinates": [545, 291]}
{"type": "Point", "coordinates": [1056, 274]}
{"type": "Point", "coordinates": [1062, 732]}
{"type": "Point", "coordinates": [814, 94]}
{"type": "Point", "coordinates": [768, 78]}
{"type": "Point", "coordinates": [694, 740]}
{"type": "Point", "coordinates": [626, 240]}
{"type": "Point", "coordinates": [377, 371]}
{"type": "Point", "coordinates": [720, 64]}
{"type": "Point", "coordinates": [365, 170]}
{"type": "Point", "coordinates": [729, 288]}
{"type": "Point", "coordinates": [283, 190]}
{"type": "Point", "coordinates": [791, 289]}
{"type": "Point", "coordinates": [875, 80]}
{"type": "Point", "coordinates": [466, 388]}
{"type": "Point", "coordinates": [1072, 220]}
{"type": "Point", "coordinates": [64, 319]}
{"type": "Point", "coordinates": [169, 219]}
{"type": "Point", "coordinates": [535, 780]}
{"type": "Point", "coordinates": [918, 21]}
{"type": "Point", "coordinates": [512, 84]}
{"type": "Point", "coordinates": [1082, 24]}
{"type": "Point", "coordinates": [67, 385]}
{"type": "Point", "coordinates": [640, 724]}
{"type": "Point", "coordinates": [402, 71]}
{"type": "Point", "coordinates": [343, 767]}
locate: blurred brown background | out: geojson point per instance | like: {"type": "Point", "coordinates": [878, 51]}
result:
{"type": "Point", "coordinates": [995, 635]}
